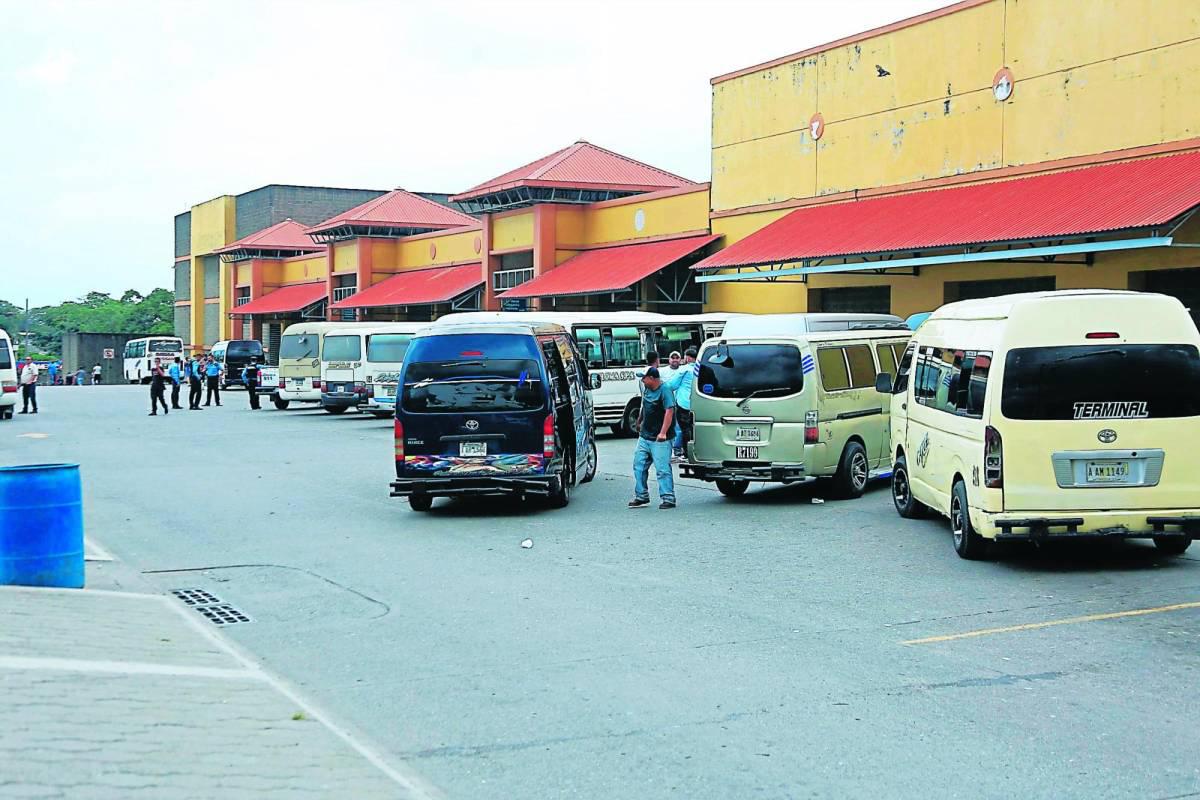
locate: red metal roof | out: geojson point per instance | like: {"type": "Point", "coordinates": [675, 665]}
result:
{"type": "Point", "coordinates": [610, 269]}
{"type": "Point", "coordinates": [418, 287]}
{"type": "Point", "coordinates": [582, 165]}
{"type": "Point", "coordinates": [286, 235]}
{"type": "Point", "coordinates": [285, 299]}
{"type": "Point", "coordinates": [1095, 199]}
{"type": "Point", "coordinates": [399, 209]}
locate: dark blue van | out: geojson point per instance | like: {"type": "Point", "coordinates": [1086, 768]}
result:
{"type": "Point", "coordinates": [495, 408]}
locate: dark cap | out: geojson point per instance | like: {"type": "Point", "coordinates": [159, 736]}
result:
{"type": "Point", "coordinates": [691, 351]}
{"type": "Point", "coordinates": [652, 372]}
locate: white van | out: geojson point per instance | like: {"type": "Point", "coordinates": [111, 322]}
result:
{"type": "Point", "coordinates": [348, 374]}
{"type": "Point", "coordinates": [385, 356]}
{"type": "Point", "coordinates": [9, 388]}
{"type": "Point", "coordinates": [743, 326]}
{"type": "Point", "coordinates": [1051, 415]}
{"type": "Point", "coordinates": [300, 361]}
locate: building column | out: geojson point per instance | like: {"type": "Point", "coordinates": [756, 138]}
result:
{"type": "Point", "coordinates": [196, 335]}
{"type": "Point", "coordinates": [329, 314]}
{"type": "Point", "coordinates": [545, 241]}
{"type": "Point", "coordinates": [490, 264]}
{"type": "Point", "coordinates": [366, 270]}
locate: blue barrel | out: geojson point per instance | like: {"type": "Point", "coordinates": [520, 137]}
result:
{"type": "Point", "coordinates": [41, 526]}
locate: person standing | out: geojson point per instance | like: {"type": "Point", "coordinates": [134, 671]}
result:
{"type": "Point", "coordinates": [212, 377]}
{"type": "Point", "coordinates": [97, 375]}
{"type": "Point", "coordinates": [250, 377]}
{"type": "Point", "coordinates": [158, 388]}
{"type": "Point", "coordinates": [28, 380]}
{"type": "Point", "coordinates": [176, 375]}
{"type": "Point", "coordinates": [53, 368]}
{"type": "Point", "coordinates": [79, 376]}
{"type": "Point", "coordinates": [654, 442]}
{"type": "Point", "coordinates": [194, 383]}
{"type": "Point", "coordinates": [681, 386]}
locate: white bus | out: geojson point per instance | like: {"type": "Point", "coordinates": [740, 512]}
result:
{"type": "Point", "coordinates": [358, 362]}
{"type": "Point", "coordinates": [140, 355]}
{"type": "Point", "coordinates": [615, 343]}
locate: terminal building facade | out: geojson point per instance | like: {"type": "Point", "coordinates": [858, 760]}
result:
{"type": "Point", "coordinates": [988, 147]}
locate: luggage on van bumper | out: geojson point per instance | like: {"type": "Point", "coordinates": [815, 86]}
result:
{"type": "Point", "coordinates": [1032, 525]}
{"type": "Point", "coordinates": [477, 486]}
{"type": "Point", "coordinates": [741, 471]}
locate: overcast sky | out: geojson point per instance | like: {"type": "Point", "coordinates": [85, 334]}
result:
{"type": "Point", "coordinates": [117, 116]}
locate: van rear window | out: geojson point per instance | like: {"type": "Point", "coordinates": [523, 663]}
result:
{"type": "Point", "coordinates": [1128, 381]}
{"type": "Point", "coordinates": [244, 347]}
{"type": "Point", "coordinates": [298, 345]}
{"type": "Point", "coordinates": [5, 356]}
{"type": "Point", "coordinates": [738, 370]}
{"type": "Point", "coordinates": [473, 386]}
{"type": "Point", "coordinates": [342, 348]}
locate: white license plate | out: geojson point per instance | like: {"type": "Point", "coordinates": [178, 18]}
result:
{"type": "Point", "coordinates": [748, 435]}
{"type": "Point", "coordinates": [745, 453]}
{"type": "Point", "coordinates": [386, 391]}
{"type": "Point", "coordinates": [298, 383]}
{"type": "Point", "coordinates": [1107, 471]}
{"type": "Point", "coordinates": [472, 448]}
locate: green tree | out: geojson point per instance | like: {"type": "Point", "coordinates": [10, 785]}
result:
{"type": "Point", "coordinates": [95, 312]}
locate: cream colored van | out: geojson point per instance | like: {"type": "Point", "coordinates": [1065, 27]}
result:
{"type": "Point", "coordinates": [300, 360]}
{"type": "Point", "coordinates": [9, 388]}
{"type": "Point", "coordinates": [1051, 415]}
{"type": "Point", "coordinates": [785, 408]}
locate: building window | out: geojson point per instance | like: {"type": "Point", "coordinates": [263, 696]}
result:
{"type": "Point", "coordinates": [977, 290]}
{"type": "Point", "coordinates": [852, 300]}
{"type": "Point", "coordinates": [241, 296]}
{"type": "Point", "coordinates": [508, 278]}
{"type": "Point", "coordinates": [342, 292]}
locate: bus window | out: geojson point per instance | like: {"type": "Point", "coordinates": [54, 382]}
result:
{"type": "Point", "coordinates": [669, 338]}
{"type": "Point", "coordinates": [588, 342]}
{"type": "Point", "coordinates": [624, 347]}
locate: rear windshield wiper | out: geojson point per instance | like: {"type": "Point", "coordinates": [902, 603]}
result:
{"type": "Point", "coordinates": [757, 392]}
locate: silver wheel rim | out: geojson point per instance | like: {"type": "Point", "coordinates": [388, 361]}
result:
{"type": "Point", "coordinates": [900, 488]}
{"type": "Point", "coordinates": [858, 470]}
{"type": "Point", "coordinates": [956, 521]}
{"type": "Point", "coordinates": [591, 460]}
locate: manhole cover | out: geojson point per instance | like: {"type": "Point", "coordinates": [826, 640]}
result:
{"type": "Point", "coordinates": [196, 597]}
{"type": "Point", "coordinates": [222, 614]}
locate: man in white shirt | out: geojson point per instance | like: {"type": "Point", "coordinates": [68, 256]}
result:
{"type": "Point", "coordinates": [29, 379]}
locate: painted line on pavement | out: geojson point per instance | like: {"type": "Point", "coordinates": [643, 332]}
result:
{"type": "Point", "coordinates": [1031, 626]}
{"type": "Point", "coordinates": [126, 668]}
{"type": "Point", "coordinates": [92, 551]}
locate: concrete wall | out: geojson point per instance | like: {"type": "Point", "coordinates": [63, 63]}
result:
{"type": "Point", "coordinates": [183, 280]}
{"type": "Point", "coordinates": [87, 349]}
{"type": "Point", "coordinates": [264, 207]}
{"type": "Point", "coordinates": [183, 234]}
{"type": "Point", "coordinates": [183, 322]}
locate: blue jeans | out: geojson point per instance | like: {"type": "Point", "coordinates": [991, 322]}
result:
{"type": "Point", "coordinates": [660, 453]}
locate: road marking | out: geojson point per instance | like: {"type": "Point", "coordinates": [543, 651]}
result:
{"type": "Point", "coordinates": [126, 668]}
{"type": "Point", "coordinates": [1141, 612]}
{"type": "Point", "coordinates": [92, 551]}
{"type": "Point", "coordinates": [33, 436]}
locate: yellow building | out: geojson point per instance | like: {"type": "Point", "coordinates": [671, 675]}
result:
{"type": "Point", "coordinates": [877, 135]}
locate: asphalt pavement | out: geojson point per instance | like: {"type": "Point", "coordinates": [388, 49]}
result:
{"type": "Point", "coordinates": [770, 647]}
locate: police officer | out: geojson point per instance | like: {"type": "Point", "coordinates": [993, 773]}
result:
{"type": "Point", "coordinates": [195, 382]}
{"type": "Point", "coordinates": [250, 376]}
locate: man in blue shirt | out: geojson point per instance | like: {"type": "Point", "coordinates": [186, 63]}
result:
{"type": "Point", "coordinates": [174, 373]}
{"type": "Point", "coordinates": [195, 375]}
{"type": "Point", "coordinates": [212, 376]}
{"type": "Point", "coordinates": [681, 385]}
{"type": "Point", "coordinates": [654, 442]}
{"type": "Point", "coordinates": [53, 373]}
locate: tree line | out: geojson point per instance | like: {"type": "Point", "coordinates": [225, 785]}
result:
{"type": "Point", "coordinates": [95, 312]}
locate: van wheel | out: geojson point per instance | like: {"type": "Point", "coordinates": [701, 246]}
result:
{"type": "Point", "coordinates": [1172, 545]}
{"type": "Point", "coordinates": [591, 463]}
{"type": "Point", "coordinates": [281, 404]}
{"type": "Point", "coordinates": [907, 506]}
{"type": "Point", "coordinates": [629, 422]}
{"type": "Point", "coordinates": [420, 502]}
{"type": "Point", "coordinates": [850, 480]}
{"type": "Point", "coordinates": [967, 543]}
{"type": "Point", "coordinates": [732, 488]}
{"type": "Point", "coordinates": [335, 409]}
{"type": "Point", "coordinates": [561, 497]}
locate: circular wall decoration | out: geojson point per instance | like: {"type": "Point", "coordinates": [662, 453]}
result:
{"type": "Point", "coordinates": [639, 220]}
{"type": "Point", "coordinates": [816, 126]}
{"type": "Point", "coordinates": [1003, 85]}
{"type": "Point", "coordinates": [432, 250]}
{"type": "Point", "coordinates": [478, 244]}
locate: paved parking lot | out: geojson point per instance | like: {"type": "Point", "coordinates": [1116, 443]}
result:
{"type": "Point", "coordinates": [770, 647]}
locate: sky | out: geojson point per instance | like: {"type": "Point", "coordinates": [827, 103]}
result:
{"type": "Point", "coordinates": [116, 116]}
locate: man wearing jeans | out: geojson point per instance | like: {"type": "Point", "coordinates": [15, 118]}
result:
{"type": "Point", "coordinates": [681, 386]}
{"type": "Point", "coordinates": [654, 442]}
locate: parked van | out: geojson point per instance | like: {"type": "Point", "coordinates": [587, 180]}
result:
{"type": "Point", "coordinates": [784, 409]}
{"type": "Point", "coordinates": [741, 326]}
{"type": "Point", "coordinates": [1051, 415]}
{"type": "Point", "coordinates": [300, 361]}
{"type": "Point", "coordinates": [493, 408]}
{"type": "Point", "coordinates": [8, 376]}
{"type": "Point", "coordinates": [348, 372]}
{"type": "Point", "coordinates": [234, 355]}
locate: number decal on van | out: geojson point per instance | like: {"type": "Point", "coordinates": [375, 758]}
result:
{"type": "Point", "coordinates": [975, 475]}
{"type": "Point", "coordinates": [923, 452]}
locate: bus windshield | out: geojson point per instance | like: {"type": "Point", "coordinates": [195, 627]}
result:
{"type": "Point", "coordinates": [388, 347]}
{"type": "Point", "coordinates": [244, 347]}
{"type": "Point", "coordinates": [298, 345]}
{"type": "Point", "coordinates": [166, 346]}
{"type": "Point", "coordinates": [472, 386]}
{"type": "Point", "coordinates": [739, 370]}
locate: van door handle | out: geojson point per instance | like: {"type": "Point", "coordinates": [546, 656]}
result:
{"type": "Point", "coordinates": [904, 406]}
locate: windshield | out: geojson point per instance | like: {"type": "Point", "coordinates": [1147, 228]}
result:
{"type": "Point", "coordinates": [5, 356]}
{"type": "Point", "coordinates": [298, 345]}
{"type": "Point", "coordinates": [737, 370]}
{"type": "Point", "coordinates": [1117, 381]}
{"type": "Point", "coordinates": [166, 345]}
{"type": "Point", "coordinates": [244, 347]}
{"type": "Point", "coordinates": [342, 348]}
{"type": "Point", "coordinates": [388, 347]}
{"type": "Point", "coordinates": [474, 385]}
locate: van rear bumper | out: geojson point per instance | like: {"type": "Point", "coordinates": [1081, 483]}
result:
{"type": "Point", "coordinates": [1090, 524]}
{"type": "Point", "coordinates": [476, 486]}
{"type": "Point", "coordinates": [742, 471]}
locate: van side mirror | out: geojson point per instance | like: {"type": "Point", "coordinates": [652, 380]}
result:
{"type": "Point", "coordinates": [594, 380]}
{"type": "Point", "coordinates": [883, 383]}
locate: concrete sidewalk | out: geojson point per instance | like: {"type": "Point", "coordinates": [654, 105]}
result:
{"type": "Point", "coordinates": [111, 694]}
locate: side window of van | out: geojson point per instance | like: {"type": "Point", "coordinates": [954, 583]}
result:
{"type": "Point", "coordinates": [887, 359]}
{"type": "Point", "coordinates": [972, 383]}
{"type": "Point", "coordinates": [850, 367]}
{"type": "Point", "coordinates": [954, 381]}
{"type": "Point", "coordinates": [554, 369]}
{"type": "Point", "coordinates": [904, 369]}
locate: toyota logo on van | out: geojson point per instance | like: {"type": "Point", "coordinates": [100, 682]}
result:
{"type": "Point", "coordinates": [471, 424]}
{"type": "Point", "coordinates": [1107, 436]}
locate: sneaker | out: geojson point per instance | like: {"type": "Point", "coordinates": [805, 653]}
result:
{"type": "Point", "coordinates": [635, 503]}
{"type": "Point", "coordinates": [665, 504]}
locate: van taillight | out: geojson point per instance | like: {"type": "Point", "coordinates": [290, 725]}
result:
{"type": "Point", "coordinates": [316, 384]}
{"type": "Point", "coordinates": [281, 384]}
{"type": "Point", "coordinates": [360, 388]}
{"type": "Point", "coordinates": [812, 434]}
{"type": "Point", "coordinates": [548, 437]}
{"type": "Point", "coordinates": [399, 440]}
{"type": "Point", "coordinates": [993, 459]}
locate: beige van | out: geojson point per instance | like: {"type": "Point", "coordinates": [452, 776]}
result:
{"type": "Point", "coordinates": [784, 409]}
{"type": "Point", "coordinates": [1051, 415]}
{"type": "Point", "coordinates": [9, 388]}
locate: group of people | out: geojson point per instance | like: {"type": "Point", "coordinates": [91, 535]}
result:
{"type": "Point", "coordinates": [30, 373]}
{"type": "Point", "coordinates": [665, 425]}
{"type": "Point", "coordinates": [203, 375]}
{"type": "Point", "coordinates": [58, 376]}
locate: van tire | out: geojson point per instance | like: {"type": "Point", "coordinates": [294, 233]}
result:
{"type": "Point", "coordinates": [335, 409]}
{"type": "Point", "coordinates": [1172, 545]}
{"type": "Point", "coordinates": [967, 543]}
{"type": "Point", "coordinates": [420, 502]}
{"type": "Point", "coordinates": [591, 463]}
{"type": "Point", "coordinates": [732, 488]}
{"type": "Point", "coordinates": [850, 480]}
{"type": "Point", "coordinates": [281, 404]}
{"type": "Point", "coordinates": [907, 506]}
{"type": "Point", "coordinates": [561, 497]}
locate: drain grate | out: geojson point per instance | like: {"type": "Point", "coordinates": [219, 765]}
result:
{"type": "Point", "coordinates": [222, 614]}
{"type": "Point", "coordinates": [196, 597]}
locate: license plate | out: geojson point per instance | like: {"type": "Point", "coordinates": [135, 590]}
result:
{"type": "Point", "coordinates": [1107, 471]}
{"type": "Point", "coordinates": [746, 453]}
{"type": "Point", "coordinates": [386, 391]}
{"type": "Point", "coordinates": [472, 448]}
{"type": "Point", "coordinates": [298, 382]}
{"type": "Point", "coordinates": [748, 435]}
